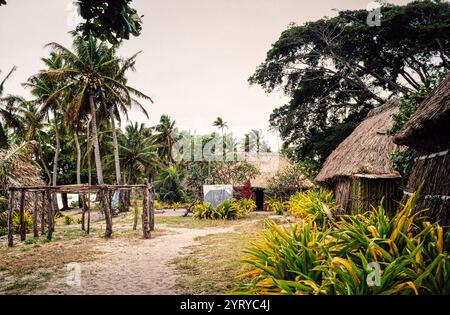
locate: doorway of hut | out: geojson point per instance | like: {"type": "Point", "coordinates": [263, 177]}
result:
{"type": "Point", "coordinates": [259, 198]}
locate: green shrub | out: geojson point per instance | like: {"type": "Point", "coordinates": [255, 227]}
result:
{"type": "Point", "coordinates": [79, 220]}
{"type": "Point", "coordinates": [67, 220]}
{"type": "Point", "coordinates": [288, 182]}
{"type": "Point", "coordinates": [276, 206]}
{"type": "Point", "coordinates": [3, 230]}
{"type": "Point", "coordinates": [28, 219]}
{"type": "Point", "coordinates": [228, 210]}
{"type": "Point", "coordinates": [412, 254]}
{"type": "Point", "coordinates": [317, 205]}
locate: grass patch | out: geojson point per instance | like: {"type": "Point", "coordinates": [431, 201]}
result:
{"type": "Point", "coordinates": [191, 223]}
{"type": "Point", "coordinates": [214, 263]}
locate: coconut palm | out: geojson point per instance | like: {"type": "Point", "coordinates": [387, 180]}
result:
{"type": "Point", "coordinates": [166, 138]}
{"type": "Point", "coordinates": [91, 72]}
{"type": "Point", "coordinates": [220, 124]}
{"type": "Point", "coordinates": [7, 117]}
{"type": "Point", "coordinates": [118, 104]}
{"type": "Point", "coordinates": [138, 153]}
{"type": "Point", "coordinates": [51, 98]}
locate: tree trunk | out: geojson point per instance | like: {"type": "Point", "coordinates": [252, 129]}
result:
{"type": "Point", "coordinates": [135, 215]}
{"type": "Point", "coordinates": [65, 201]}
{"type": "Point", "coordinates": [55, 166]}
{"type": "Point", "coordinates": [50, 215]}
{"type": "Point", "coordinates": [116, 146]}
{"type": "Point", "coordinates": [43, 213]}
{"type": "Point", "coordinates": [151, 207]}
{"type": "Point", "coordinates": [105, 203]}
{"type": "Point", "coordinates": [78, 148]}
{"type": "Point", "coordinates": [98, 158]}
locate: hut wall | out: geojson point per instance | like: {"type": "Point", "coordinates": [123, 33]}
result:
{"type": "Point", "coordinates": [343, 194]}
{"type": "Point", "coordinates": [368, 192]}
{"type": "Point", "coordinates": [435, 174]}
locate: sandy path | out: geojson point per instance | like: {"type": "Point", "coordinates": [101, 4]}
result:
{"type": "Point", "coordinates": [142, 267]}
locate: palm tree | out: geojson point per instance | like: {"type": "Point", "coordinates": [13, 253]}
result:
{"type": "Point", "coordinates": [50, 97]}
{"type": "Point", "coordinates": [87, 72]}
{"type": "Point", "coordinates": [166, 138]}
{"type": "Point", "coordinates": [117, 104]}
{"type": "Point", "coordinates": [6, 112]}
{"type": "Point", "coordinates": [138, 153]}
{"type": "Point", "coordinates": [220, 124]}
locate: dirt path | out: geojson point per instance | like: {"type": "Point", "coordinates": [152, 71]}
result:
{"type": "Point", "coordinates": [143, 267]}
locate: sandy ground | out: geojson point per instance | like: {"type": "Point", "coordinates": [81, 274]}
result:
{"type": "Point", "coordinates": [142, 267]}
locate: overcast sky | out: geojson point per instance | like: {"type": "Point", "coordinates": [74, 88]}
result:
{"type": "Point", "coordinates": [197, 54]}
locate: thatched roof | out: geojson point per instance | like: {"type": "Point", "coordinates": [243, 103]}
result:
{"type": "Point", "coordinates": [269, 165]}
{"type": "Point", "coordinates": [25, 173]}
{"type": "Point", "coordinates": [367, 150]}
{"type": "Point", "coordinates": [429, 128]}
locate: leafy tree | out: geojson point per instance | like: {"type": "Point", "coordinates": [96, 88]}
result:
{"type": "Point", "coordinates": [112, 20]}
{"type": "Point", "coordinates": [219, 123]}
{"type": "Point", "coordinates": [336, 69]}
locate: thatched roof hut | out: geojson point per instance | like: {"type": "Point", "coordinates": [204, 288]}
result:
{"type": "Point", "coordinates": [429, 128]}
{"type": "Point", "coordinates": [428, 132]}
{"type": "Point", "coordinates": [269, 165]}
{"type": "Point", "coordinates": [25, 173]}
{"type": "Point", "coordinates": [363, 159]}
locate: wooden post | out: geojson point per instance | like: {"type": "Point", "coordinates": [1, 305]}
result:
{"type": "Point", "coordinates": [35, 215]}
{"type": "Point", "coordinates": [152, 209]}
{"type": "Point", "coordinates": [145, 213]}
{"type": "Point", "coordinates": [50, 215]}
{"type": "Point", "coordinates": [136, 213]}
{"type": "Point", "coordinates": [43, 213]}
{"type": "Point", "coordinates": [89, 214]}
{"type": "Point", "coordinates": [106, 205]}
{"type": "Point", "coordinates": [10, 219]}
{"type": "Point", "coordinates": [23, 224]}
{"type": "Point", "coordinates": [83, 214]}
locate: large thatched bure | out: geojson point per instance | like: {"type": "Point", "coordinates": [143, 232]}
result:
{"type": "Point", "coordinates": [428, 132]}
{"type": "Point", "coordinates": [359, 170]}
{"type": "Point", "coordinates": [269, 165]}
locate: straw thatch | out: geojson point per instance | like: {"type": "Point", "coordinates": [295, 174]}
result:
{"type": "Point", "coordinates": [366, 151]}
{"type": "Point", "coordinates": [25, 173]}
{"type": "Point", "coordinates": [429, 128]}
{"type": "Point", "coordinates": [428, 132]}
{"type": "Point", "coordinates": [360, 170]}
{"type": "Point", "coordinates": [269, 165]}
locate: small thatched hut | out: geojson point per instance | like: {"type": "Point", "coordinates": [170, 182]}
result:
{"type": "Point", "coordinates": [359, 170]}
{"type": "Point", "coordinates": [24, 174]}
{"type": "Point", "coordinates": [269, 165]}
{"type": "Point", "coordinates": [428, 132]}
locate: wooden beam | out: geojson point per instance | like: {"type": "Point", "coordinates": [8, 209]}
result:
{"type": "Point", "coordinates": [43, 213]}
{"type": "Point", "coordinates": [50, 215]}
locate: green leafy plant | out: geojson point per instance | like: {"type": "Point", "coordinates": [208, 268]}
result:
{"type": "Point", "coordinates": [412, 255]}
{"type": "Point", "coordinates": [276, 206]}
{"type": "Point", "coordinates": [316, 205]}
{"type": "Point", "coordinates": [3, 230]}
{"type": "Point", "coordinates": [67, 220]}
{"type": "Point", "coordinates": [28, 219]}
{"type": "Point", "coordinates": [291, 180]}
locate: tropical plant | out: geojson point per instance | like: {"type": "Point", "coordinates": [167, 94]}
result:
{"type": "Point", "coordinates": [221, 124]}
{"type": "Point", "coordinates": [169, 186]}
{"type": "Point", "coordinates": [27, 219]}
{"type": "Point", "coordinates": [165, 137]}
{"type": "Point", "coordinates": [276, 205]}
{"type": "Point", "coordinates": [315, 205]}
{"type": "Point", "coordinates": [371, 253]}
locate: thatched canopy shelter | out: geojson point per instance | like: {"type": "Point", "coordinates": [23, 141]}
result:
{"type": "Point", "coordinates": [428, 132]}
{"type": "Point", "coordinates": [366, 151]}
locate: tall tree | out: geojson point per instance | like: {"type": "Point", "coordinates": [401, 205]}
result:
{"type": "Point", "coordinates": [219, 123]}
{"type": "Point", "coordinates": [165, 136]}
{"type": "Point", "coordinates": [336, 69]}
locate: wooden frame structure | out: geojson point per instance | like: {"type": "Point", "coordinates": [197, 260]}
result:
{"type": "Point", "coordinates": [45, 196]}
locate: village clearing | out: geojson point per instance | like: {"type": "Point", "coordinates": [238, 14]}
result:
{"type": "Point", "coordinates": [184, 256]}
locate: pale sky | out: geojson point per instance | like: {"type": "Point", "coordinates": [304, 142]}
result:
{"type": "Point", "coordinates": [197, 54]}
